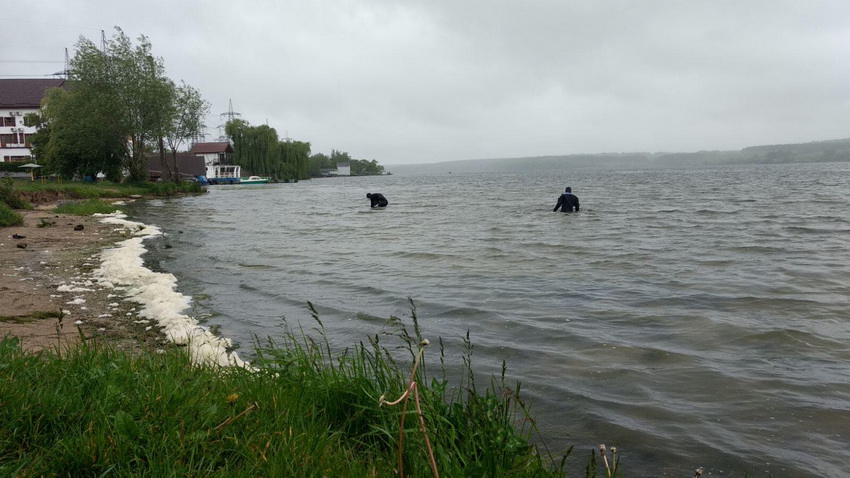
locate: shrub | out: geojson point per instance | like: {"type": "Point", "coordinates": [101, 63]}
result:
{"type": "Point", "coordinates": [8, 217]}
{"type": "Point", "coordinates": [169, 188]}
{"type": "Point", "coordinates": [87, 208]}
{"type": "Point", "coordinates": [10, 197]}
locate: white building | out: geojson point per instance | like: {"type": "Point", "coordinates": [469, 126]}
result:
{"type": "Point", "coordinates": [218, 159]}
{"type": "Point", "coordinates": [343, 169]}
{"type": "Point", "coordinates": [18, 97]}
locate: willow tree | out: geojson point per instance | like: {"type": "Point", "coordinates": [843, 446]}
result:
{"type": "Point", "coordinates": [294, 160]}
{"type": "Point", "coordinates": [255, 148]}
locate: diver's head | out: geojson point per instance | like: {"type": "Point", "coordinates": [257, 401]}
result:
{"type": "Point", "coordinates": [568, 190]}
{"type": "Point", "coordinates": [369, 195]}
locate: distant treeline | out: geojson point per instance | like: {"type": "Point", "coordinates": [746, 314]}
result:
{"type": "Point", "coordinates": [320, 164]}
{"type": "Point", "coordinates": [820, 151]}
{"type": "Point", "coordinates": [260, 150]}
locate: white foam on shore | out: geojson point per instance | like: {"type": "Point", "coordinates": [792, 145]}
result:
{"type": "Point", "coordinates": [155, 291]}
{"type": "Point", "coordinates": [72, 288]}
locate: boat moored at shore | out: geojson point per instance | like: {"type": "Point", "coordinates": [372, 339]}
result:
{"type": "Point", "coordinates": [254, 180]}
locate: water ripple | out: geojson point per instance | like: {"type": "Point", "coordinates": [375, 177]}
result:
{"type": "Point", "coordinates": [688, 315]}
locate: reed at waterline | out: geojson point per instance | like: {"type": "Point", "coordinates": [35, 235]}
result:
{"type": "Point", "coordinates": [301, 410]}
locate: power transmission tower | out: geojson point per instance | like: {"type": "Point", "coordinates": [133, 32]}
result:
{"type": "Point", "coordinates": [227, 117]}
{"type": "Point", "coordinates": [66, 71]}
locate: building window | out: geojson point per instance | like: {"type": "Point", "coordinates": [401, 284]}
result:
{"type": "Point", "coordinates": [6, 139]}
{"type": "Point", "coordinates": [8, 121]}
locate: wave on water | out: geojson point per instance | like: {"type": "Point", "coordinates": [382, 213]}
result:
{"type": "Point", "coordinates": [256, 266]}
{"type": "Point", "coordinates": [816, 230]}
{"type": "Point", "coordinates": [122, 268]}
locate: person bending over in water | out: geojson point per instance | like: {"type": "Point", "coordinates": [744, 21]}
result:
{"type": "Point", "coordinates": [378, 199]}
{"type": "Point", "coordinates": [567, 201]}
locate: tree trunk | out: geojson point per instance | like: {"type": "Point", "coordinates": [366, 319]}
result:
{"type": "Point", "coordinates": [167, 174]}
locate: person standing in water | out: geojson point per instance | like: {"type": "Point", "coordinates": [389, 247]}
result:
{"type": "Point", "coordinates": [567, 201]}
{"type": "Point", "coordinates": [378, 200]}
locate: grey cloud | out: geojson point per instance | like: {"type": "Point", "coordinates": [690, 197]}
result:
{"type": "Point", "coordinates": [415, 81]}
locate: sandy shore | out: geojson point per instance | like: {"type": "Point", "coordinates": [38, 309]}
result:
{"type": "Point", "coordinates": [50, 270]}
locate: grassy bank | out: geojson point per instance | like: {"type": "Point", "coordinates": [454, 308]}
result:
{"type": "Point", "coordinates": [87, 207]}
{"type": "Point", "coordinates": [18, 194]}
{"type": "Point", "coordinates": [8, 217]}
{"type": "Point", "coordinates": [26, 192]}
{"type": "Point", "coordinates": [303, 412]}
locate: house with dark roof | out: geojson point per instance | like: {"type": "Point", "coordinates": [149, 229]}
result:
{"type": "Point", "coordinates": [188, 166]}
{"type": "Point", "coordinates": [18, 97]}
{"type": "Point", "coordinates": [218, 160]}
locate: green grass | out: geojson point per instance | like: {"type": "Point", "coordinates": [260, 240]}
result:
{"type": "Point", "coordinates": [105, 189]}
{"type": "Point", "coordinates": [87, 207]}
{"type": "Point", "coordinates": [35, 316]}
{"type": "Point", "coordinates": [305, 411]}
{"type": "Point", "coordinates": [8, 217]}
{"type": "Point", "coordinates": [10, 197]}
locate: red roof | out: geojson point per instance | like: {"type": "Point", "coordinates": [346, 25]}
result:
{"type": "Point", "coordinates": [216, 147]}
{"type": "Point", "coordinates": [25, 92]}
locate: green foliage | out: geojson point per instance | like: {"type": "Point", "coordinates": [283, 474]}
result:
{"type": "Point", "coordinates": [359, 167]}
{"type": "Point", "coordinates": [170, 189]}
{"type": "Point", "coordinates": [318, 162]}
{"type": "Point", "coordinates": [119, 106]}
{"type": "Point", "coordinates": [189, 110]}
{"type": "Point", "coordinates": [304, 411]}
{"type": "Point", "coordinates": [258, 149]}
{"type": "Point", "coordinates": [79, 137]}
{"type": "Point", "coordinates": [10, 197]}
{"type": "Point", "coordinates": [8, 217]}
{"type": "Point", "coordinates": [87, 207]}
{"type": "Point", "coordinates": [105, 189]}
{"type": "Point", "coordinates": [362, 167]}
{"type": "Point", "coordinates": [294, 160]}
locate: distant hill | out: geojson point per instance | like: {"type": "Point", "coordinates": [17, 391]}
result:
{"type": "Point", "coordinates": [818, 151]}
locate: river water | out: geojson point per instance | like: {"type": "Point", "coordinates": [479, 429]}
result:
{"type": "Point", "coordinates": [690, 317]}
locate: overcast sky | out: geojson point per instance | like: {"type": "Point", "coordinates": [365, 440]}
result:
{"type": "Point", "coordinates": [416, 81]}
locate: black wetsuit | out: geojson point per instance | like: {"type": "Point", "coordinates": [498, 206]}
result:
{"type": "Point", "coordinates": [378, 200]}
{"type": "Point", "coordinates": [567, 202]}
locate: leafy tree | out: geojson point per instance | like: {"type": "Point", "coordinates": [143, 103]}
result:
{"type": "Point", "coordinates": [318, 162]}
{"type": "Point", "coordinates": [119, 106]}
{"type": "Point", "coordinates": [188, 112]}
{"type": "Point", "coordinates": [130, 82]}
{"type": "Point", "coordinates": [76, 137]}
{"type": "Point", "coordinates": [257, 149]}
{"type": "Point", "coordinates": [362, 167]}
{"type": "Point", "coordinates": [359, 167]}
{"type": "Point", "coordinates": [295, 155]}
{"type": "Point", "coordinates": [339, 157]}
